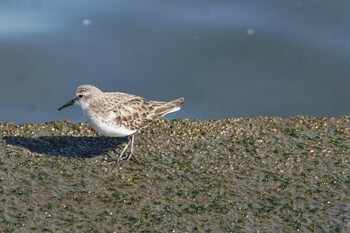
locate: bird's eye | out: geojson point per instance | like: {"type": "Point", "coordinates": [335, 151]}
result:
{"type": "Point", "coordinates": [80, 96]}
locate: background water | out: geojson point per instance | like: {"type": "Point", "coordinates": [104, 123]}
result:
{"type": "Point", "coordinates": [227, 58]}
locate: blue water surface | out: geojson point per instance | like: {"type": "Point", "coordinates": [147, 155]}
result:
{"type": "Point", "coordinates": [227, 58]}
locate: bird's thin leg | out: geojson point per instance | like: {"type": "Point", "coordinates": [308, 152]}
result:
{"type": "Point", "coordinates": [123, 151]}
{"type": "Point", "coordinates": [121, 155]}
{"type": "Point", "coordinates": [132, 147]}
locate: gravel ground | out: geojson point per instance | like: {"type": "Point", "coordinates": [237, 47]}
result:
{"type": "Point", "coordinates": [235, 175]}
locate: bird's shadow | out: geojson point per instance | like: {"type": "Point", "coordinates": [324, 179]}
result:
{"type": "Point", "coordinates": [66, 146]}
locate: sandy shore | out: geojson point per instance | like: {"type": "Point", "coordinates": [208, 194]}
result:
{"type": "Point", "coordinates": [235, 175]}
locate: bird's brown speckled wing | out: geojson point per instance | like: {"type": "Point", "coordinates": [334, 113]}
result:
{"type": "Point", "coordinates": [136, 113]}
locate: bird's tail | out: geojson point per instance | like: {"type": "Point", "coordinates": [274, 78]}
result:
{"type": "Point", "coordinates": [170, 107]}
{"type": "Point", "coordinates": [177, 102]}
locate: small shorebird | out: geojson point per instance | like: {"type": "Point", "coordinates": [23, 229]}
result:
{"type": "Point", "coordinates": [117, 114]}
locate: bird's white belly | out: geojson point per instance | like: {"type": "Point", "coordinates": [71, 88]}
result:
{"type": "Point", "coordinates": [108, 127]}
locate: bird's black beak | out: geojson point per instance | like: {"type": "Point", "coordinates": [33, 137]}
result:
{"type": "Point", "coordinates": [70, 103]}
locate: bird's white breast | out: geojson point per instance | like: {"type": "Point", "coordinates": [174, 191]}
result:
{"type": "Point", "coordinates": [107, 125]}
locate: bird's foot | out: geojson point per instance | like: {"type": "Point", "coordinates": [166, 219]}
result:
{"type": "Point", "coordinates": [121, 157]}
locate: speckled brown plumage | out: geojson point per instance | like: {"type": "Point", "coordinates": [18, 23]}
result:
{"type": "Point", "coordinates": [131, 111]}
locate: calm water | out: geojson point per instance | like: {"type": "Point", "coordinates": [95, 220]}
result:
{"type": "Point", "coordinates": [227, 58]}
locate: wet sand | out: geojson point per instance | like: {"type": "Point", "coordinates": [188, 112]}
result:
{"type": "Point", "coordinates": [234, 175]}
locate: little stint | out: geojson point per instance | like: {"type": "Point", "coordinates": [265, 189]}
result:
{"type": "Point", "coordinates": [117, 114]}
